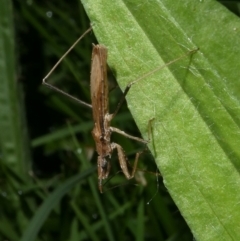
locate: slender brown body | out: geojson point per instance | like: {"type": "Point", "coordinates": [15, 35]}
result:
{"type": "Point", "coordinates": [102, 130]}
{"type": "Point", "coordinates": [99, 96]}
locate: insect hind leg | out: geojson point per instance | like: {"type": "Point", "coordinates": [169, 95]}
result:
{"type": "Point", "coordinates": [123, 161]}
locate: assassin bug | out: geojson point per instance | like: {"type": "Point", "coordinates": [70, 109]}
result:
{"type": "Point", "coordinates": [100, 108]}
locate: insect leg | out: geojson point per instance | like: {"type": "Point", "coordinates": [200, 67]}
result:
{"type": "Point", "coordinates": [123, 161]}
{"type": "Point", "coordinates": [114, 129]}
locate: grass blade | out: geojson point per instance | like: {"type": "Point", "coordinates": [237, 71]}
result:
{"type": "Point", "coordinates": [13, 138]}
{"type": "Point", "coordinates": [43, 212]}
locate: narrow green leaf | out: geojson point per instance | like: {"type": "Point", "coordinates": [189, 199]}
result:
{"type": "Point", "coordinates": [195, 102]}
{"type": "Point", "coordinates": [13, 138]}
{"type": "Point", "coordinates": [51, 202]}
{"type": "Point", "coordinates": [140, 222]}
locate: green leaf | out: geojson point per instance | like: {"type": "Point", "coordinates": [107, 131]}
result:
{"type": "Point", "coordinates": [195, 102]}
{"type": "Point", "coordinates": [13, 138]}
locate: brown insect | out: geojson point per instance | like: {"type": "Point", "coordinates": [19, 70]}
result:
{"type": "Point", "coordinates": [102, 130]}
{"type": "Point", "coordinates": [100, 107]}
